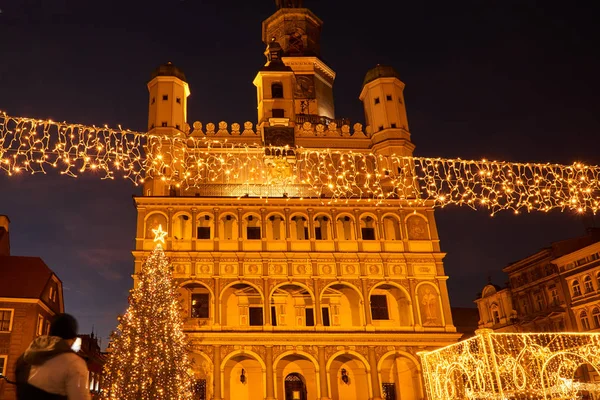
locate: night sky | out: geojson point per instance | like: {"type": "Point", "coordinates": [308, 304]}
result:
{"type": "Point", "coordinates": [505, 80]}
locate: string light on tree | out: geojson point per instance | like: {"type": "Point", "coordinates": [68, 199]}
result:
{"type": "Point", "coordinates": [190, 163]}
{"type": "Point", "coordinates": [149, 358]}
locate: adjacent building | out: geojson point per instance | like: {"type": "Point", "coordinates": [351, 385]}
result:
{"type": "Point", "coordinates": [296, 298]}
{"type": "Point", "coordinates": [556, 289]}
{"type": "Point", "coordinates": [95, 359]}
{"type": "Point", "coordinates": [30, 295]}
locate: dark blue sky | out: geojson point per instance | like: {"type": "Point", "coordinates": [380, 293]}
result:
{"type": "Point", "coordinates": [507, 80]}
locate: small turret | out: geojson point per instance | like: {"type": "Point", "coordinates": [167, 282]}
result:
{"type": "Point", "coordinates": [168, 98]}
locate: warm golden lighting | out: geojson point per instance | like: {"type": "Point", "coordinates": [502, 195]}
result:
{"type": "Point", "coordinates": [187, 162]}
{"type": "Point", "coordinates": [515, 366]}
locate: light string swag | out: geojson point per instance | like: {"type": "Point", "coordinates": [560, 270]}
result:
{"type": "Point", "coordinates": [187, 163]}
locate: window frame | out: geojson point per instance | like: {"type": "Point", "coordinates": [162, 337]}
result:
{"type": "Point", "coordinates": [584, 317]}
{"type": "Point", "coordinates": [596, 317]}
{"type": "Point", "coordinates": [379, 309]}
{"type": "Point", "coordinates": [10, 321]}
{"type": "Point", "coordinates": [207, 305]}
{"type": "Point", "coordinates": [39, 331]}
{"type": "Point", "coordinates": [576, 287]}
{"type": "Point", "coordinates": [588, 286]}
{"type": "Point", "coordinates": [3, 363]}
{"type": "Point", "coordinates": [262, 314]}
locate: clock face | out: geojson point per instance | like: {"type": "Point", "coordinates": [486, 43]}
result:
{"type": "Point", "coordinates": [305, 87]}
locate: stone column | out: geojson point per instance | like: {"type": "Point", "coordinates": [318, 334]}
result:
{"type": "Point", "coordinates": [216, 302]}
{"type": "Point", "coordinates": [170, 228]}
{"type": "Point", "coordinates": [318, 312]}
{"type": "Point", "coordinates": [414, 301]}
{"type": "Point", "coordinates": [380, 226]}
{"type": "Point", "coordinates": [374, 374]}
{"type": "Point", "coordinates": [267, 303]}
{"type": "Point", "coordinates": [288, 234]}
{"type": "Point", "coordinates": [194, 227]}
{"type": "Point", "coordinates": [311, 228]}
{"type": "Point", "coordinates": [270, 381]}
{"type": "Point", "coordinates": [263, 228]}
{"type": "Point", "coordinates": [323, 374]}
{"type": "Point", "coordinates": [357, 230]}
{"type": "Point", "coordinates": [367, 303]}
{"type": "Point", "coordinates": [217, 372]}
{"type": "Point", "coordinates": [240, 230]}
{"type": "Point", "coordinates": [216, 223]}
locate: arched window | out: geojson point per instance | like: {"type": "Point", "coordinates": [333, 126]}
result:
{"type": "Point", "coordinates": [585, 323]}
{"type": "Point", "coordinates": [598, 278]}
{"type": "Point", "coordinates": [152, 222]}
{"type": "Point", "coordinates": [229, 227]}
{"type": "Point", "coordinates": [576, 288]}
{"type": "Point", "coordinates": [367, 228]}
{"type": "Point", "coordinates": [275, 227]}
{"type": "Point", "coordinates": [345, 228]}
{"type": "Point", "coordinates": [253, 228]}
{"type": "Point", "coordinates": [299, 227]}
{"type": "Point", "coordinates": [204, 227]}
{"type": "Point", "coordinates": [587, 283]}
{"type": "Point", "coordinates": [596, 317]}
{"type": "Point", "coordinates": [495, 313]}
{"type": "Point", "coordinates": [391, 228]}
{"type": "Point", "coordinates": [277, 90]}
{"type": "Point", "coordinates": [322, 228]}
{"type": "Point", "coordinates": [539, 301]}
{"type": "Point", "coordinates": [182, 227]}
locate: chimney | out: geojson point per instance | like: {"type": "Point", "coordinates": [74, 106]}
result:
{"type": "Point", "coordinates": [4, 236]}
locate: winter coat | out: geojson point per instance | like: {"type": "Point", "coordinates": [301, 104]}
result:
{"type": "Point", "coordinates": [50, 370]}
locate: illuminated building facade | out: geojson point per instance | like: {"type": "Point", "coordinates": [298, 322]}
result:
{"type": "Point", "coordinates": [297, 297]}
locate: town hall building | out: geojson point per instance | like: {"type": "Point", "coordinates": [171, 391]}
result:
{"type": "Point", "coordinates": [298, 298]}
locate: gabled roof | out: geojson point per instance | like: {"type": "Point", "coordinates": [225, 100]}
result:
{"type": "Point", "coordinates": [23, 277]}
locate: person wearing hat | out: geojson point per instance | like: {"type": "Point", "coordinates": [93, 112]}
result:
{"type": "Point", "coordinates": [49, 369]}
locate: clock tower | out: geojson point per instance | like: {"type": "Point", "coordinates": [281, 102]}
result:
{"type": "Point", "coordinates": [298, 32]}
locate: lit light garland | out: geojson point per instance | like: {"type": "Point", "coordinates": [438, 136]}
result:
{"type": "Point", "coordinates": [190, 163]}
{"type": "Point", "coordinates": [514, 366]}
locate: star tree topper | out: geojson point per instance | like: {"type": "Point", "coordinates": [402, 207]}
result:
{"type": "Point", "coordinates": [159, 235]}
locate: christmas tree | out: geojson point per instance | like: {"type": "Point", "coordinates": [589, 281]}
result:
{"type": "Point", "coordinates": [149, 360]}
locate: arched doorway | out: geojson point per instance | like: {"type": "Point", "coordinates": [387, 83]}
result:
{"type": "Point", "coordinates": [295, 387]}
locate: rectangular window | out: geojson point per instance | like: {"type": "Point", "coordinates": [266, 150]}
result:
{"type": "Point", "coordinates": [3, 364]}
{"type": "Point", "coordinates": [178, 100]}
{"type": "Point", "coordinates": [388, 97]}
{"type": "Point", "coordinates": [47, 328]}
{"type": "Point", "coordinates": [393, 125]}
{"type": "Point", "coordinates": [256, 316]}
{"type": "Point", "coordinates": [253, 232]}
{"type": "Point", "coordinates": [176, 126]}
{"type": "Point", "coordinates": [51, 293]}
{"type": "Point", "coordinates": [40, 325]}
{"type": "Point", "coordinates": [152, 101]}
{"type": "Point", "coordinates": [273, 315]}
{"type": "Point", "coordinates": [376, 100]}
{"type": "Point", "coordinates": [278, 113]}
{"type": "Point", "coordinates": [310, 316]}
{"type": "Point", "coordinates": [368, 233]}
{"type": "Point", "coordinates": [204, 232]}
{"type": "Point", "coordinates": [305, 233]}
{"type": "Point", "coordinates": [379, 307]}
{"type": "Point", "coordinates": [164, 124]}
{"type": "Point", "coordinates": [6, 320]}
{"type": "Point", "coordinates": [165, 97]}
{"type": "Point", "coordinates": [380, 128]}
{"type": "Point", "coordinates": [325, 313]}
{"type": "Point", "coordinates": [200, 305]}
{"type": "Point", "coordinates": [389, 391]}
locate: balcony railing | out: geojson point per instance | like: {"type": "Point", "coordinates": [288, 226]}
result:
{"type": "Point", "coordinates": [319, 119]}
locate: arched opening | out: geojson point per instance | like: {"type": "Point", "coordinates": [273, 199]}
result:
{"type": "Point", "coordinates": [576, 288]}
{"type": "Point", "coordinates": [345, 228]}
{"type": "Point", "coordinates": [348, 378]}
{"type": "Point", "coordinates": [341, 306]}
{"type": "Point", "coordinates": [587, 284]}
{"type": "Point", "coordinates": [295, 387]}
{"type": "Point", "coordinates": [368, 228]}
{"type": "Point", "coordinates": [277, 90]}
{"type": "Point", "coordinates": [584, 321]}
{"type": "Point", "coordinates": [275, 227]}
{"type": "Point", "coordinates": [204, 227]}
{"type": "Point", "coordinates": [228, 227]}
{"type": "Point", "coordinates": [152, 222]}
{"type": "Point", "coordinates": [292, 306]}
{"type": "Point", "coordinates": [390, 306]}
{"type": "Point", "coordinates": [196, 302]}
{"type": "Point", "coordinates": [243, 378]}
{"type": "Point", "coordinates": [391, 228]}
{"type": "Point", "coordinates": [299, 228]}
{"type": "Point", "coordinates": [252, 227]}
{"type": "Point", "coordinates": [429, 305]}
{"type": "Point", "coordinates": [241, 306]}
{"type": "Point", "coordinates": [399, 378]}
{"type": "Point", "coordinates": [417, 228]}
{"type": "Point", "coordinates": [202, 380]}
{"type": "Point", "coordinates": [323, 228]}
{"type": "Point", "coordinates": [596, 317]}
{"type": "Point", "coordinates": [182, 227]}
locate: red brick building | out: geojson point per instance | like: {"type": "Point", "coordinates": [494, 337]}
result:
{"type": "Point", "coordinates": [30, 295]}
